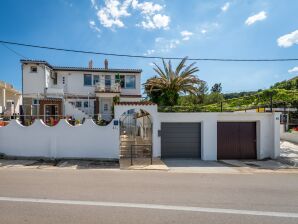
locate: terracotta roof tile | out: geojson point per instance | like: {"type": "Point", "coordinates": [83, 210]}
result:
{"type": "Point", "coordinates": [144, 103]}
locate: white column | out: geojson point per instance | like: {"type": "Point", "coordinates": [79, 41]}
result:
{"type": "Point", "coordinates": [276, 135]}
{"type": "Point", "coordinates": [209, 139]}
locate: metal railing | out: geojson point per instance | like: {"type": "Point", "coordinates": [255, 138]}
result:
{"type": "Point", "coordinates": [110, 85]}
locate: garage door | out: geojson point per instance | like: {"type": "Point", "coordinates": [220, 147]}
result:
{"type": "Point", "coordinates": [181, 140]}
{"type": "Point", "coordinates": [236, 140]}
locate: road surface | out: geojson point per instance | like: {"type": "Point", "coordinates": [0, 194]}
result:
{"type": "Point", "coordinates": [113, 196]}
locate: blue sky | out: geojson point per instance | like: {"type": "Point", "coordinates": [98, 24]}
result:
{"type": "Point", "coordinates": [168, 28]}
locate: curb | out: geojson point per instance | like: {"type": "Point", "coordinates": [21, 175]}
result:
{"type": "Point", "coordinates": [288, 161]}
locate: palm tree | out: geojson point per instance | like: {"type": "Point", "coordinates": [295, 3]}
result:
{"type": "Point", "coordinates": [166, 86]}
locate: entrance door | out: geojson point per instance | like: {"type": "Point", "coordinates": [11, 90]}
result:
{"type": "Point", "coordinates": [236, 140]}
{"type": "Point", "coordinates": [106, 109]}
{"type": "Point", "coordinates": [51, 112]}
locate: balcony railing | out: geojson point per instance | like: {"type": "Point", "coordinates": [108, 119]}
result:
{"type": "Point", "coordinates": [54, 91]}
{"type": "Point", "coordinates": [108, 86]}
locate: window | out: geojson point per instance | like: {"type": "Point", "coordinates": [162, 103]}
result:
{"type": "Point", "coordinates": [87, 80]}
{"type": "Point", "coordinates": [95, 79]}
{"type": "Point", "coordinates": [78, 104]}
{"type": "Point", "coordinates": [33, 68]}
{"type": "Point", "coordinates": [63, 80]}
{"type": "Point", "coordinates": [86, 104]}
{"type": "Point", "coordinates": [122, 81]}
{"type": "Point", "coordinates": [130, 82]}
{"type": "Point", "coordinates": [107, 80]}
{"type": "Point", "coordinates": [35, 102]}
{"type": "Point", "coordinates": [55, 78]}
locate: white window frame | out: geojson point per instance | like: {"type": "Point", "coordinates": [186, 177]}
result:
{"type": "Point", "coordinates": [84, 79]}
{"type": "Point", "coordinates": [31, 69]}
{"type": "Point", "coordinates": [37, 102]}
{"type": "Point", "coordinates": [94, 84]}
{"type": "Point", "coordinates": [134, 82]}
{"type": "Point", "coordinates": [80, 102]}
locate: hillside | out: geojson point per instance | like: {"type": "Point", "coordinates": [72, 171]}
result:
{"type": "Point", "coordinates": [283, 93]}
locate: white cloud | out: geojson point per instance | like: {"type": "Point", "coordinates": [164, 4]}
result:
{"type": "Point", "coordinates": [152, 18]}
{"type": "Point", "coordinates": [94, 4]}
{"type": "Point", "coordinates": [161, 21]}
{"type": "Point", "coordinates": [288, 40]}
{"type": "Point", "coordinates": [158, 21]}
{"type": "Point", "coordinates": [149, 52]}
{"type": "Point", "coordinates": [186, 34]}
{"type": "Point", "coordinates": [225, 7]}
{"type": "Point", "coordinates": [146, 7]}
{"type": "Point", "coordinates": [208, 27]}
{"type": "Point", "coordinates": [113, 12]}
{"type": "Point", "coordinates": [293, 70]}
{"type": "Point", "coordinates": [165, 45]}
{"type": "Point", "coordinates": [257, 17]}
{"type": "Point", "coordinates": [93, 26]}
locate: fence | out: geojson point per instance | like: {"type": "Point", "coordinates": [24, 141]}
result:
{"type": "Point", "coordinates": [87, 140]}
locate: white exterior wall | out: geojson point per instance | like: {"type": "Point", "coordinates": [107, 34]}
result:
{"type": "Point", "coordinates": [33, 82]}
{"type": "Point", "coordinates": [130, 99]}
{"type": "Point", "coordinates": [267, 130]}
{"type": "Point", "coordinates": [61, 141]}
{"type": "Point", "coordinates": [291, 137]}
{"type": "Point", "coordinates": [75, 82]}
{"type": "Point", "coordinates": [268, 135]}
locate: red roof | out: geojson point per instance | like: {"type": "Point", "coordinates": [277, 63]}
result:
{"type": "Point", "coordinates": [144, 103]}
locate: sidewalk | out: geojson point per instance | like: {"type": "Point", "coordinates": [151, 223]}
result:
{"type": "Point", "coordinates": [143, 164]}
{"type": "Point", "coordinates": [57, 164]}
{"type": "Point", "coordinates": [289, 153]}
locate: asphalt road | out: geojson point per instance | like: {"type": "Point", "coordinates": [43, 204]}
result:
{"type": "Point", "coordinates": [111, 196]}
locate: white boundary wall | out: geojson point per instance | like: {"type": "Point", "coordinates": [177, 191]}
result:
{"type": "Point", "coordinates": [103, 142]}
{"type": "Point", "coordinates": [61, 141]}
{"type": "Point", "coordinates": [268, 130]}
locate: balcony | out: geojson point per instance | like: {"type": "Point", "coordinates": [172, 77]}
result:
{"type": "Point", "coordinates": [107, 86]}
{"type": "Point", "coordinates": [54, 92]}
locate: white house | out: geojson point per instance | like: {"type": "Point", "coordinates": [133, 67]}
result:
{"type": "Point", "coordinates": [79, 92]}
{"type": "Point", "coordinates": [10, 99]}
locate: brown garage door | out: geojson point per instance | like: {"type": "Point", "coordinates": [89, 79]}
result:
{"type": "Point", "coordinates": [236, 140]}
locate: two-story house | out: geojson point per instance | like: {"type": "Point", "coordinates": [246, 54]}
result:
{"type": "Point", "coordinates": [53, 91]}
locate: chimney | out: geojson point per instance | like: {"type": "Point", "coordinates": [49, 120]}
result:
{"type": "Point", "coordinates": [90, 64]}
{"type": "Point", "coordinates": [106, 63]}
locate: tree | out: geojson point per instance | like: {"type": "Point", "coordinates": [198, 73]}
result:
{"type": "Point", "coordinates": [216, 88]}
{"type": "Point", "coordinates": [214, 97]}
{"type": "Point", "coordinates": [169, 83]}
